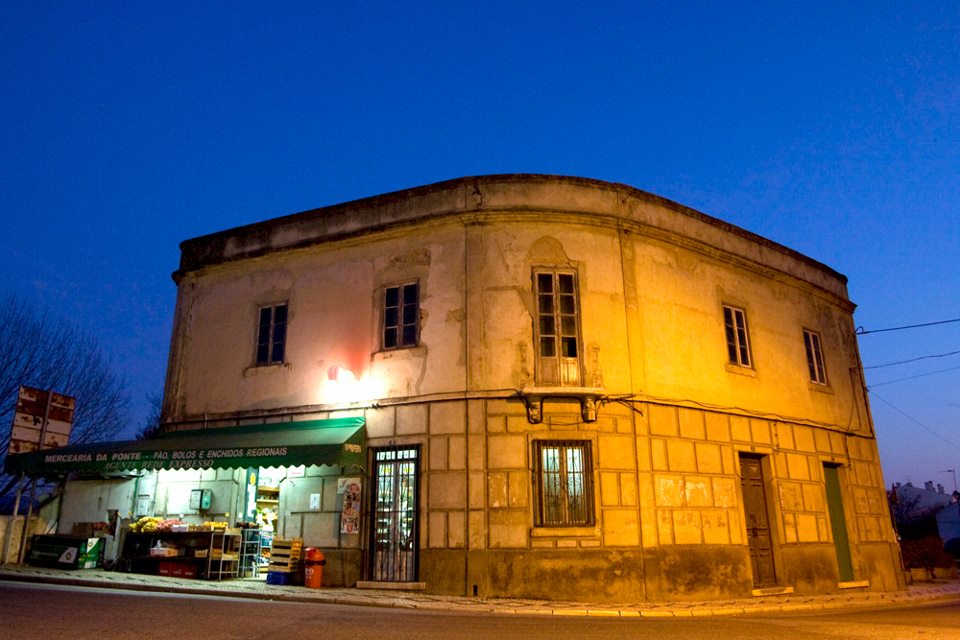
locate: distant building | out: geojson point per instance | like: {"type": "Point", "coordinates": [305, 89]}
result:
{"type": "Point", "coordinates": [566, 389]}
{"type": "Point", "coordinates": [916, 502]}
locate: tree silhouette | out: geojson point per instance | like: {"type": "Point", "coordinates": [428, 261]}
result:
{"type": "Point", "coordinates": [42, 351]}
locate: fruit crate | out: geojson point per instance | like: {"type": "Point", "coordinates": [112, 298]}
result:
{"type": "Point", "coordinates": [285, 555]}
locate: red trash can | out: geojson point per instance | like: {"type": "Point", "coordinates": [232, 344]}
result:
{"type": "Point", "coordinates": [313, 561]}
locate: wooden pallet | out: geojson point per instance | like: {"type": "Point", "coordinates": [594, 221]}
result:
{"type": "Point", "coordinates": [285, 555]}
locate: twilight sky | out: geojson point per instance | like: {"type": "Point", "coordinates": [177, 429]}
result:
{"type": "Point", "coordinates": [830, 127]}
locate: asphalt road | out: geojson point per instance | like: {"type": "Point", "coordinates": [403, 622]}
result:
{"type": "Point", "coordinates": [53, 612]}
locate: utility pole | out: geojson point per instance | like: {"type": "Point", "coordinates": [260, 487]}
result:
{"type": "Point", "coordinates": [953, 472]}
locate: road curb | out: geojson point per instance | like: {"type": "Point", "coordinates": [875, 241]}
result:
{"type": "Point", "coordinates": [532, 608]}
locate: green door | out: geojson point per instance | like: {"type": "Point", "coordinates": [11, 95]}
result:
{"type": "Point", "coordinates": [838, 522]}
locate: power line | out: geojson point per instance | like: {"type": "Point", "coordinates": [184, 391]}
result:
{"type": "Point", "coordinates": [891, 364]}
{"type": "Point", "coordinates": [914, 420]}
{"type": "Point", "coordinates": [919, 375]}
{"type": "Point", "coordinates": [862, 332]}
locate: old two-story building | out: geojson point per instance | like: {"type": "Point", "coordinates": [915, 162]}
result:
{"type": "Point", "coordinates": [521, 385]}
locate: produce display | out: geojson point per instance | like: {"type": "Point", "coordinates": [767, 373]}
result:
{"type": "Point", "coordinates": [152, 524]}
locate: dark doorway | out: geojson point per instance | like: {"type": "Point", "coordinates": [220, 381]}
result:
{"type": "Point", "coordinates": [394, 506]}
{"type": "Point", "coordinates": [838, 521]}
{"type": "Point", "coordinates": [757, 520]}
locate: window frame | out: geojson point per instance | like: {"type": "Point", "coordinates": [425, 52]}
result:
{"type": "Point", "coordinates": [400, 324]}
{"type": "Point", "coordinates": [568, 515]}
{"type": "Point", "coordinates": [268, 345]}
{"type": "Point", "coordinates": [736, 332]}
{"type": "Point", "coordinates": [559, 326]}
{"type": "Point", "coordinates": [816, 364]}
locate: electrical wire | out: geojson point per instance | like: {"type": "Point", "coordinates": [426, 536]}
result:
{"type": "Point", "coordinates": [892, 364]}
{"type": "Point", "coordinates": [919, 375]}
{"type": "Point", "coordinates": [862, 332]}
{"type": "Point", "coordinates": [914, 420]}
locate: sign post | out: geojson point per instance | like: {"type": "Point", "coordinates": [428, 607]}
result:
{"type": "Point", "coordinates": [43, 420]}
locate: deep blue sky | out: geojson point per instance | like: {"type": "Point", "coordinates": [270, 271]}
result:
{"type": "Point", "coordinates": [829, 127]}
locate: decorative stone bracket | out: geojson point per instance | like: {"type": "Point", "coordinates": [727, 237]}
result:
{"type": "Point", "coordinates": [533, 399]}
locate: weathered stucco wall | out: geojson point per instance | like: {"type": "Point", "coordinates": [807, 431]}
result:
{"type": "Point", "coordinates": [674, 416]}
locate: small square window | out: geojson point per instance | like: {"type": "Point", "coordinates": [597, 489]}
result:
{"type": "Point", "coordinates": [738, 341]}
{"type": "Point", "coordinates": [272, 334]}
{"type": "Point", "coordinates": [811, 343]}
{"type": "Point", "coordinates": [401, 316]}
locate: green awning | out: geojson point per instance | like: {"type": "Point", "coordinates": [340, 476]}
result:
{"type": "Point", "coordinates": [338, 441]}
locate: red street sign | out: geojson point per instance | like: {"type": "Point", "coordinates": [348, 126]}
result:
{"type": "Point", "coordinates": [32, 406]}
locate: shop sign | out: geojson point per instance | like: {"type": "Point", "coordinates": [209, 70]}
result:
{"type": "Point", "coordinates": [166, 459]}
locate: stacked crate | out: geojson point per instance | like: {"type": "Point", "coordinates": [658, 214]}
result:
{"type": "Point", "coordinates": [285, 559]}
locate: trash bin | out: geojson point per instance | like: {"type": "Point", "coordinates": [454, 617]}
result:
{"type": "Point", "coordinates": [313, 561]}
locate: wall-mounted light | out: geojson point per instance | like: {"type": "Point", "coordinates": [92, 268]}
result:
{"type": "Point", "coordinates": [341, 374]}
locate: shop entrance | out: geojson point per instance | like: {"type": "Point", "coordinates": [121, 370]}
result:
{"type": "Point", "coordinates": [394, 505]}
{"type": "Point", "coordinates": [758, 524]}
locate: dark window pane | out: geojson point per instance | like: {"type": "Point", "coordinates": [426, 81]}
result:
{"type": "Point", "coordinates": [568, 325]}
{"type": "Point", "coordinates": [545, 283]}
{"type": "Point", "coordinates": [547, 327]}
{"type": "Point", "coordinates": [409, 335]}
{"type": "Point", "coordinates": [569, 347]}
{"type": "Point", "coordinates": [546, 304]}
{"type": "Point", "coordinates": [280, 314]}
{"type": "Point", "coordinates": [277, 355]}
{"type": "Point", "coordinates": [410, 293]}
{"type": "Point", "coordinates": [568, 305]}
{"type": "Point", "coordinates": [263, 351]}
{"type": "Point", "coordinates": [566, 283]}
{"type": "Point", "coordinates": [390, 337]}
{"type": "Point", "coordinates": [393, 296]}
{"type": "Point", "coordinates": [265, 314]}
{"type": "Point", "coordinates": [390, 317]}
{"type": "Point", "coordinates": [409, 313]}
{"type": "Point", "coordinates": [548, 348]}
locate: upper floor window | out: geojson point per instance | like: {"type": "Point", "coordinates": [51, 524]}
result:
{"type": "Point", "coordinates": [401, 316]}
{"type": "Point", "coordinates": [557, 328]}
{"type": "Point", "coordinates": [818, 372]}
{"type": "Point", "coordinates": [272, 334]}
{"type": "Point", "coordinates": [738, 341]}
{"type": "Point", "coordinates": [564, 476]}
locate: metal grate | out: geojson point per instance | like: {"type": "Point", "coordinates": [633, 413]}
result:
{"type": "Point", "coordinates": [394, 532]}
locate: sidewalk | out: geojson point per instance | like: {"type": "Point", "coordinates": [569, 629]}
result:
{"type": "Point", "coordinates": [258, 588]}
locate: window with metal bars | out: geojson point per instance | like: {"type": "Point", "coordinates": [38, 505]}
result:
{"type": "Point", "coordinates": [401, 316]}
{"type": "Point", "coordinates": [563, 473]}
{"type": "Point", "coordinates": [557, 328]}
{"type": "Point", "coordinates": [738, 341]}
{"type": "Point", "coordinates": [272, 334]}
{"type": "Point", "coordinates": [811, 342]}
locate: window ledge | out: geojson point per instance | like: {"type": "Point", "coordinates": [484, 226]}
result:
{"type": "Point", "coordinates": [265, 369]}
{"type": "Point", "coordinates": [820, 388]}
{"type": "Point", "coordinates": [740, 370]}
{"type": "Point", "coordinates": [565, 532]}
{"type": "Point", "coordinates": [397, 352]}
